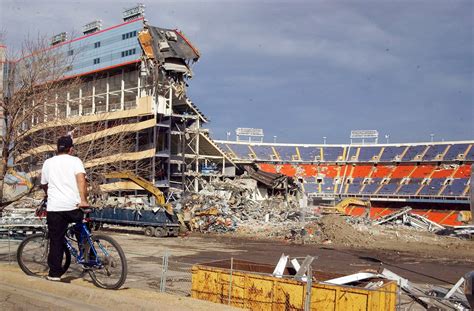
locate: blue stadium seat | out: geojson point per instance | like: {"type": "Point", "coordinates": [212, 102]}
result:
{"type": "Point", "coordinates": [391, 152]}
{"type": "Point", "coordinates": [433, 187]}
{"type": "Point", "coordinates": [390, 188]}
{"type": "Point", "coordinates": [355, 186]}
{"type": "Point", "coordinates": [311, 187]}
{"type": "Point", "coordinates": [332, 154]}
{"type": "Point", "coordinates": [454, 151]}
{"type": "Point", "coordinates": [372, 187]}
{"type": "Point", "coordinates": [366, 154]}
{"type": "Point", "coordinates": [411, 188]}
{"type": "Point", "coordinates": [241, 151]}
{"type": "Point", "coordinates": [328, 185]}
{"type": "Point", "coordinates": [470, 154]}
{"type": "Point", "coordinates": [263, 152]}
{"type": "Point", "coordinates": [286, 153]}
{"type": "Point", "coordinates": [433, 151]}
{"type": "Point", "coordinates": [413, 151]}
{"type": "Point", "coordinates": [352, 152]}
{"type": "Point", "coordinates": [308, 154]}
{"type": "Point", "coordinates": [456, 188]}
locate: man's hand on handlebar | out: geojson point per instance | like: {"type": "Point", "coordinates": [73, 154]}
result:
{"type": "Point", "coordinates": [83, 204]}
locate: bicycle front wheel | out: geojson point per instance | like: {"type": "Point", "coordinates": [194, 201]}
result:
{"type": "Point", "coordinates": [32, 255]}
{"type": "Point", "coordinates": [112, 272]}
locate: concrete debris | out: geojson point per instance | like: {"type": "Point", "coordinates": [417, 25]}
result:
{"type": "Point", "coordinates": [224, 206]}
{"type": "Point", "coordinates": [271, 180]}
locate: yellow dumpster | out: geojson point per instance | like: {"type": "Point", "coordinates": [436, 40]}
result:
{"type": "Point", "coordinates": [251, 286]}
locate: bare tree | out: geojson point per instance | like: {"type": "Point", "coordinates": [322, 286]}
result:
{"type": "Point", "coordinates": [34, 108]}
{"type": "Point", "coordinates": [32, 76]}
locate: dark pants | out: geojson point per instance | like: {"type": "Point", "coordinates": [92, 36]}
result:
{"type": "Point", "coordinates": [57, 226]}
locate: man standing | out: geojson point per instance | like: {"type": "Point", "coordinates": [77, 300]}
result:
{"type": "Point", "coordinates": [63, 178]}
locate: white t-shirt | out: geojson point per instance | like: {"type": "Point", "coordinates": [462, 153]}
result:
{"type": "Point", "coordinates": [59, 172]}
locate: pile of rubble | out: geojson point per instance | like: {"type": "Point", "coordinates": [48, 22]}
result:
{"type": "Point", "coordinates": [224, 206]}
{"type": "Point", "coordinates": [19, 217]}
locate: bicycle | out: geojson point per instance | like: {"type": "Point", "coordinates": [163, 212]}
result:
{"type": "Point", "coordinates": [100, 255]}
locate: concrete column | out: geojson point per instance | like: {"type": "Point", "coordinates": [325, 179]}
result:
{"type": "Point", "coordinates": [80, 101]}
{"type": "Point", "coordinates": [93, 98]}
{"type": "Point", "coordinates": [68, 107]}
{"type": "Point", "coordinates": [107, 88]}
{"type": "Point", "coordinates": [122, 92]}
{"type": "Point", "coordinates": [56, 110]}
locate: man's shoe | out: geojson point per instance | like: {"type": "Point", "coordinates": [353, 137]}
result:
{"type": "Point", "coordinates": [53, 278]}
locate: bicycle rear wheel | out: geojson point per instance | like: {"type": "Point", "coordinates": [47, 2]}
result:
{"type": "Point", "coordinates": [32, 255]}
{"type": "Point", "coordinates": [113, 271]}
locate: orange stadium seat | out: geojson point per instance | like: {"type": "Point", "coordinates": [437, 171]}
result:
{"type": "Point", "coordinates": [402, 171]}
{"type": "Point", "coordinates": [309, 170]}
{"type": "Point", "coordinates": [288, 170]}
{"type": "Point", "coordinates": [464, 171]}
{"type": "Point", "coordinates": [382, 171]}
{"type": "Point", "coordinates": [441, 172]}
{"type": "Point", "coordinates": [422, 171]}
{"type": "Point", "coordinates": [361, 171]}
{"type": "Point", "coordinates": [270, 168]}
{"type": "Point", "coordinates": [329, 171]}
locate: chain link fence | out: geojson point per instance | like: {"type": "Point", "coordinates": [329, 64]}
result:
{"type": "Point", "coordinates": [8, 245]}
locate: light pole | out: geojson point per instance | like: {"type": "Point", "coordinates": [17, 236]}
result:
{"type": "Point", "coordinates": [324, 140]}
{"type": "Point", "coordinates": [387, 137]}
{"type": "Point", "coordinates": [432, 137]}
{"type": "Point", "coordinates": [228, 136]}
{"type": "Point", "coordinates": [274, 139]}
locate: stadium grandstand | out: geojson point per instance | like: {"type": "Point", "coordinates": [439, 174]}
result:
{"type": "Point", "coordinates": [434, 177]}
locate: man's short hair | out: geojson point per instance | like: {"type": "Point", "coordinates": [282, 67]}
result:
{"type": "Point", "coordinates": [64, 144]}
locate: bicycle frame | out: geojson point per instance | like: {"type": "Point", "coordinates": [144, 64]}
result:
{"type": "Point", "coordinates": [83, 236]}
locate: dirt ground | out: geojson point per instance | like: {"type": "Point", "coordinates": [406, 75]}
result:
{"type": "Point", "coordinates": [335, 231]}
{"type": "Point", "coordinates": [416, 261]}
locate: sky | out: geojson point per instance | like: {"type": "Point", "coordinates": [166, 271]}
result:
{"type": "Point", "coordinates": [304, 70]}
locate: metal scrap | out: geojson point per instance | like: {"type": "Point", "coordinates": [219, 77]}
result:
{"type": "Point", "coordinates": [405, 217]}
{"type": "Point", "coordinates": [458, 231]}
{"type": "Point", "coordinates": [436, 298]}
